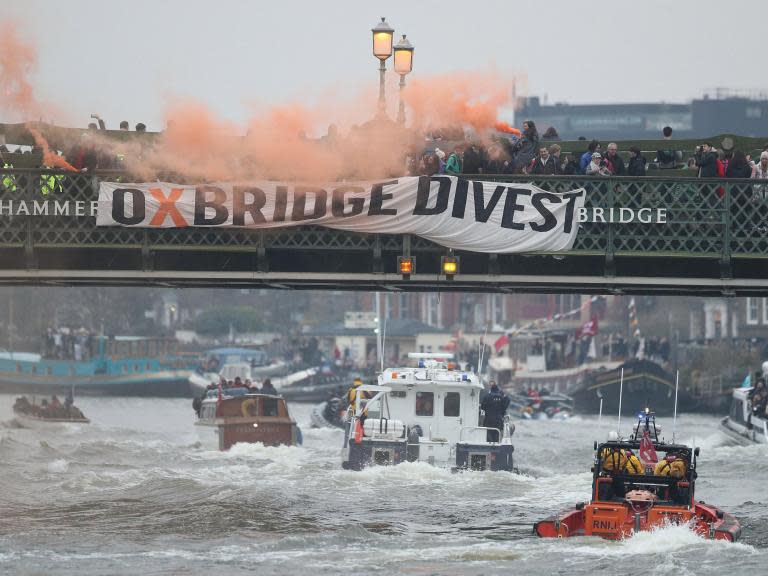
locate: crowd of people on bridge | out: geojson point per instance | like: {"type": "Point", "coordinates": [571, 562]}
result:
{"type": "Point", "coordinates": [454, 151]}
{"type": "Point", "coordinates": [541, 156]}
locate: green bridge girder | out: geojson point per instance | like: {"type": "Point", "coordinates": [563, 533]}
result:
{"type": "Point", "coordinates": [714, 241]}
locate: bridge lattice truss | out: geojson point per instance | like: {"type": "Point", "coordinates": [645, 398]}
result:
{"type": "Point", "coordinates": [714, 241]}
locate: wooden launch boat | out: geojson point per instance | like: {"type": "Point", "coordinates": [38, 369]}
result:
{"type": "Point", "coordinates": [32, 415]}
{"type": "Point", "coordinates": [632, 494]}
{"type": "Point", "coordinates": [236, 415]}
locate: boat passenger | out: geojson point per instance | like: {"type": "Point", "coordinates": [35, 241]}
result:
{"type": "Point", "coordinates": [758, 397]}
{"type": "Point", "coordinates": [238, 382]}
{"type": "Point", "coordinates": [672, 465]}
{"type": "Point", "coordinates": [494, 405]}
{"type": "Point", "coordinates": [267, 388]}
{"type": "Point", "coordinates": [633, 465]}
{"type": "Point", "coordinates": [352, 392]}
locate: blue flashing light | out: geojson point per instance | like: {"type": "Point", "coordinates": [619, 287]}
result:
{"type": "Point", "coordinates": [464, 377]}
{"type": "Point", "coordinates": [421, 363]}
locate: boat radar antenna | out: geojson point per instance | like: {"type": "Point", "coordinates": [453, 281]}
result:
{"type": "Point", "coordinates": [645, 420]}
{"type": "Point", "coordinates": [621, 393]}
{"type": "Point", "coordinates": [674, 418]}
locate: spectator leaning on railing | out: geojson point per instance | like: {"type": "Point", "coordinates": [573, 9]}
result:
{"type": "Point", "coordinates": [597, 167]}
{"type": "Point", "coordinates": [586, 158]}
{"type": "Point", "coordinates": [760, 172]}
{"type": "Point", "coordinates": [636, 164]}
{"type": "Point", "coordinates": [706, 160]}
{"type": "Point", "coordinates": [613, 161]}
{"type": "Point", "coordinates": [738, 166]}
{"type": "Point", "coordinates": [545, 163]}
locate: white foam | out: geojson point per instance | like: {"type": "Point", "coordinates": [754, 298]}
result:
{"type": "Point", "coordinates": [58, 466]}
{"type": "Point", "coordinates": [662, 540]}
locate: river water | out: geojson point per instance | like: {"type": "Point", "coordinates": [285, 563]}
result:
{"type": "Point", "coordinates": [133, 493]}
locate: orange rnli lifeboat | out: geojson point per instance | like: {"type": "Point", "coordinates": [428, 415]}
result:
{"type": "Point", "coordinates": [639, 485]}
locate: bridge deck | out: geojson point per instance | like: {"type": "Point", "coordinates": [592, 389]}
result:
{"type": "Point", "coordinates": [714, 241]}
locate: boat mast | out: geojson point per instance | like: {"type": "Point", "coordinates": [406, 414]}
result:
{"type": "Point", "coordinates": [674, 418]}
{"type": "Point", "coordinates": [621, 392]}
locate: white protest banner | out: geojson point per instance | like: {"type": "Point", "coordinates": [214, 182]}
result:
{"type": "Point", "coordinates": [454, 212]}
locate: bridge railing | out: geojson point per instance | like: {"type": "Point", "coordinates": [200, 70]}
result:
{"type": "Point", "coordinates": [699, 218]}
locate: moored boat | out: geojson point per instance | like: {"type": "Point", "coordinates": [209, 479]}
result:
{"type": "Point", "coordinates": [644, 382]}
{"type": "Point", "coordinates": [226, 417]}
{"type": "Point", "coordinates": [103, 366]}
{"type": "Point", "coordinates": [429, 413]}
{"type": "Point", "coordinates": [633, 493]}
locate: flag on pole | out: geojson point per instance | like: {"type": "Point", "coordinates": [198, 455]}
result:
{"type": "Point", "coordinates": [633, 323]}
{"type": "Point", "coordinates": [647, 450]}
{"type": "Point", "coordinates": [588, 328]}
{"type": "Point", "coordinates": [502, 341]}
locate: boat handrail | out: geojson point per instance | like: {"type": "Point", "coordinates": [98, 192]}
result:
{"type": "Point", "coordinates": [431, 355]}
{"type": "Point", "coordinates": [486, 428]}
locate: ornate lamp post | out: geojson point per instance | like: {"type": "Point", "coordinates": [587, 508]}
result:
{"type": "Point", "coordinates": [403, 65]}
{"type": "Point", "coordinates": [382, 49]}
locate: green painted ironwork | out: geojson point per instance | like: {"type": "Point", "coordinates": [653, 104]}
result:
{"type": "Point", "coordinates": [716, 219]}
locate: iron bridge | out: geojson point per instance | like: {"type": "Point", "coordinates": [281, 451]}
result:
{"type": "Point", "coordinates": [714, 242]}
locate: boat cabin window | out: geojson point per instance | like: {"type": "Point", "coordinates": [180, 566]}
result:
{"type": "Point", "coordinates": [397, 394]}
{"type": "Point", "coordinates": [270, 406]}
{"type": "Point", "coordinates": [452, 404]}
{"type": "Point", "coordinates": [425, 403]}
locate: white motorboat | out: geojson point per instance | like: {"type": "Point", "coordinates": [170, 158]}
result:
{"type": "Point", "coordinates": [741, 424]}
{"type": "Point", "coordinates": [428, 413]}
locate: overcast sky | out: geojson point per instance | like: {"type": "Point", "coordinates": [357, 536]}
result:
{"type": "Point", "coordinates": [125, 59]}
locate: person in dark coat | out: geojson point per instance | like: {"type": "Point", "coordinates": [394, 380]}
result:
{"type": "Point", "coordinates": [524, 150]}
{"type": "Point", "coordinates": [474, 160]}
{"type": "Point", "coordinates": [738, 167]}
{"type": "Point", "coordinates": [706, 160]}
{"type": "Point", "coordinates": [494, 404]}
{"type": "Point", "coordinates": [545, 163]}
{"type": "Point", "coordinates": [613, 161]}
{"type": "Point", "coordinates": [636, 164]}
{"type": "Point", "coordinates": [267, 388]}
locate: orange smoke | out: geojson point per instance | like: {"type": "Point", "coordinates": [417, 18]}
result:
{"type": "Point", "coordinates": [50, 158]}
{"type": "Point", "coordinates": [17, 61]}
{"type": "Point", "coordinates": [276, 143]}
{"type": "Point", "coordinates": [504, 127]}
{"type": "Point", "coordinates": [470, 99]}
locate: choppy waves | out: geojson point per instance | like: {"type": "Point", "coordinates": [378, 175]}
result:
{"type": "Point", "coordinates": [135, 492]}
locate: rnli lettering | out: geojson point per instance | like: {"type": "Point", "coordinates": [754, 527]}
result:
{"type": "Point", "coordinates": [601, 525]}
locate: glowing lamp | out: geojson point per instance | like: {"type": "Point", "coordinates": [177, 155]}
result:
{"type": "Point", "coordinates": [450, 266]}
{"type": "Point", "coordinates": [382, 40]}
{"type": "Point", "coordinates": [406, 265]}
{"type": "Point", "coordinates": [403, 56]}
